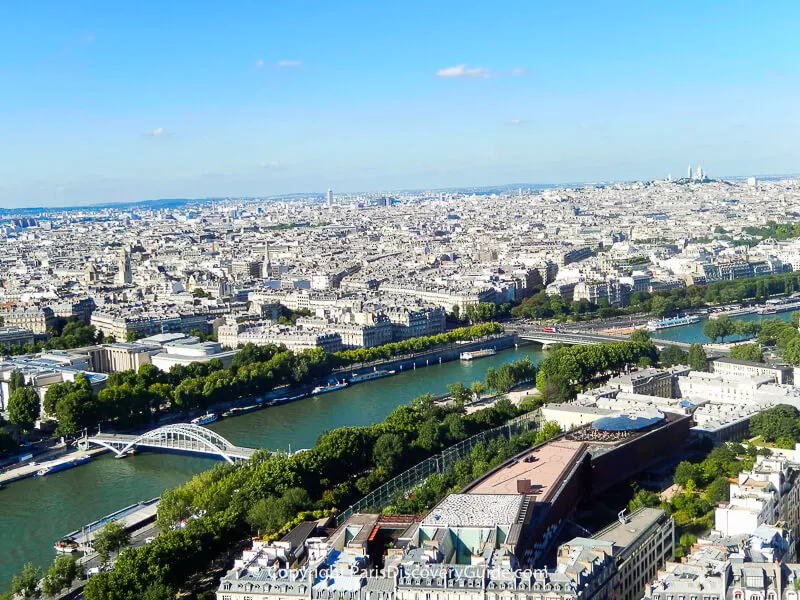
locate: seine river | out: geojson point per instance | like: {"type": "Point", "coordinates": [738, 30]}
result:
{"type": "Point", "coordinates": [36, 512]}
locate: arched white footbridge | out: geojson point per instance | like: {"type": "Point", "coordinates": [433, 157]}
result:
{"type": "Point", "coordinates": [178, 437]}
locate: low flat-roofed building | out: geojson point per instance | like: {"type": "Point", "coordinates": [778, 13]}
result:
{"type": "Point", "coordinates": [191, 351]}
{"type": "Point", "coordinates": [779, 373]}
{"type": "Point", "coordinates": [642, 544]}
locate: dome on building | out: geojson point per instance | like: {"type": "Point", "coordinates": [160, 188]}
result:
{"type": "Point", "coordinates": [630, 421]}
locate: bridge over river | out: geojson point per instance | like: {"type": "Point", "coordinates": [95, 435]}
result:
{"type": "Point", "coordinates": [179, 437]}
{"type": "Point", "coordinates": [587, 338]}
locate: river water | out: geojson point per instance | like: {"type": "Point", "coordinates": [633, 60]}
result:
{"type": "Point", "coordinates": [36, 512]}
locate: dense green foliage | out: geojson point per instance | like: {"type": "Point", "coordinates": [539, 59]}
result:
{"type": "Point", "coordinates": [110, 539]}
{"type": "Point", "coordinates": [724, 326]}
{"type": "Point", "coordinates": [663, 302]}
{"type": "Point", "coordinates": [23, 408]}
{"type": "Point", "coordinates": [485, 312]}
{"type": "Point", "coordinates": [66, 334]}
{"type": "Point", "coordinates": [772, 229]}
{"type": "Point", "coordinates": [417, 344]}
{"type": "Point", "coordinates": [568, 368]}
{"type": "Point", "coordinates": [703, 485]}
{"type": "Point", "coordinates": [227, 503]}
{"type": "Point", "coordinates": [60, 576]}
{"type": "Point", "coordinates": [751, 352]}
{"type": "Point", "coordinates": [26, 583]}
{"type": "Point", "coordinates": [698, 359]}
{"type": "Point", "coordinates": [780, 422]}
{"type": "Point", "coordinates": [672, 355]}
{"type": "Point", "coordinates": [130, 398]}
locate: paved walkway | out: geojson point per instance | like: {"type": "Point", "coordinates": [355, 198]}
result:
{"type": "Point", "coordinates": [29, 469]}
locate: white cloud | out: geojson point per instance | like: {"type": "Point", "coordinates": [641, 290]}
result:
{"type": "Point", "coordinates": [158, 131]}
{"type": "Point", "coordinates": [259, 63]}
{"type": "Point", "coordinates": [520, 71]}
{"type": "Point", "coordinates": [517, 122]}
{"type": "Point", "coordinates": [463, 71]}
{"type": "Point", "coordinates": [289, 63]}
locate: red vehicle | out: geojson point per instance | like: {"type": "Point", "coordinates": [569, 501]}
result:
{"type": "Point", "coordinates": [549, 329]}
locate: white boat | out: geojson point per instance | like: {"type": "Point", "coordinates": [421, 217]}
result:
{"type": "Point", "coordinates": [370, 376]}
{"type": "Point", "coordinates": [331, 387]}
{"type": "Point", "coordinates": [205, 419]}
{"type": "Point", "coordinates": [673, 322]}
{"type": "Point", "coordinates": [477, 354]}
{"type": "Point", "coordinates": [66, 546]}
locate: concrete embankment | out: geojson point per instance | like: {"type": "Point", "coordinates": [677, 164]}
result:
{"type": "Point", "coordinates": [436, 356]}
{"type": "Point", "coordinates": [30, 469]}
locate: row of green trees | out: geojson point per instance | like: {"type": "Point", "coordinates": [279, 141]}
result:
{"type": "Point", "coordinates": [413, 345]}
{"type": "Point", "coordinates": [228, 503]}
{"type": "Point", "coordinates": [570, 368]}
{"type": "Point", "coordinates": [131, 398]}
{"type": "Point", "coordinates": [500, 380]}
{"type": "Point", "coordinates": [65, 335]}
{"type": "Point", "coordinates": [661, 303]}
{"type": "Point", "coordinates": [724, 326]}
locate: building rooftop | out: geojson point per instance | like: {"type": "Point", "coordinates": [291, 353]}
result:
{"type": "Point", "coordinates": [543, 467]}
{"type": "Point", "coordinates": [635, 526]}
{"type": "Point", "coordinates": [475, 510]}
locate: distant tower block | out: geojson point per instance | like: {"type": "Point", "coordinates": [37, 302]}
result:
{"type": "Point", "coordinates": [690, 172]}
{"type": "Point", "coordinates": [329, 197]}
{"type": "Point", "coordinates": [752, 182]}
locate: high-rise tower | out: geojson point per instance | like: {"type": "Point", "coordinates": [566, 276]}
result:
{"type": "Point", "coordinates": [690, 172]}
{"type": "Point", "coordinates": [329, 197]}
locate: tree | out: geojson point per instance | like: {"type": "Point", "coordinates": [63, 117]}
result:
{"type": "Point", "coordinates": [672, 355]}
{"type": "Point", "coordinates": [719, 328]}
{"type": "Point", "coordinates": [159, 591]}
{"type": "Point", "coordinates": [16, 381]}
{"type": "Point", "coordinates": [777, 422]}
{"type": "Point", "coordinates": [477, 389]}
{"type": "Point", "coordinates": [749, 352]}
{"type": "Point", "coordinates": [698, 360]}
{"type": "Point", "coordinates": [388, 451]}
{"type": "Point", "coordinates": [549, 430]}
{"type": "Point", "coordinates": [132, 336]}
{"type": "Point", "coordinates": [686, 472]}
{"type": "Point", "coordinates": [640, 335]}
{"type": "Point", "coordinates": [110, 540]}
{"type": "Point", "coordinates": [60, 575]}
{"type": "Point", "coordinates": [643, 498]}
{"type": "Point", "coordinates": [718, 490]}
{"type": "Point", "coordinates": [23, 408]}
{"type": "Point", "coordinates": [459, 393]}
{"type": "Point", "coordinates": [26, 583]}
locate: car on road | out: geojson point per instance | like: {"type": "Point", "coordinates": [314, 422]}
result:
{"type": "Point", "coordinates": [149, 540]}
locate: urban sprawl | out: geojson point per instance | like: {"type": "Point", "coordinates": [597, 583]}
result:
{"type": "Point", "coordinates": [140, 318]}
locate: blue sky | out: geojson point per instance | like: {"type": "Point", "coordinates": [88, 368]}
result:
{"type": "Point", "coordinates": [106, 101]}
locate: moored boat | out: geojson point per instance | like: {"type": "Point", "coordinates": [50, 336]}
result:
{"type": "Point", "coordinates": [205, 419]}
{"type": "Point", "coordinates": [62, 466]}
{"type": "Point", "coordinates": [474, 354]}
{"type": "Point", "coordinates": [329, 387]}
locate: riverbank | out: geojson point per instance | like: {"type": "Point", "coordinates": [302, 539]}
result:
{"type": "Point", "coordinates": [30, 469]}
{"type": "Point", "coordinates": [37, 510]}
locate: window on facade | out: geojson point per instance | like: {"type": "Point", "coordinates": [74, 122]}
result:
{"type": "Point", "coordinates": [226, 598]}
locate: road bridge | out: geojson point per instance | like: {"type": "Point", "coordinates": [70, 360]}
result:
{"type": "Point", "coordinates": [588, 338]}
{"type": "Point", "coordinates": [178, 437]}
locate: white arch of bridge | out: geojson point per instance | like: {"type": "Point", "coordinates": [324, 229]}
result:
{"type": "Point", "coordinates": [171, 436]}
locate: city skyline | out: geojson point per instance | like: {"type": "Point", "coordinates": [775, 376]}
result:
{"type": "Point", "coordinates": [194, 102]}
